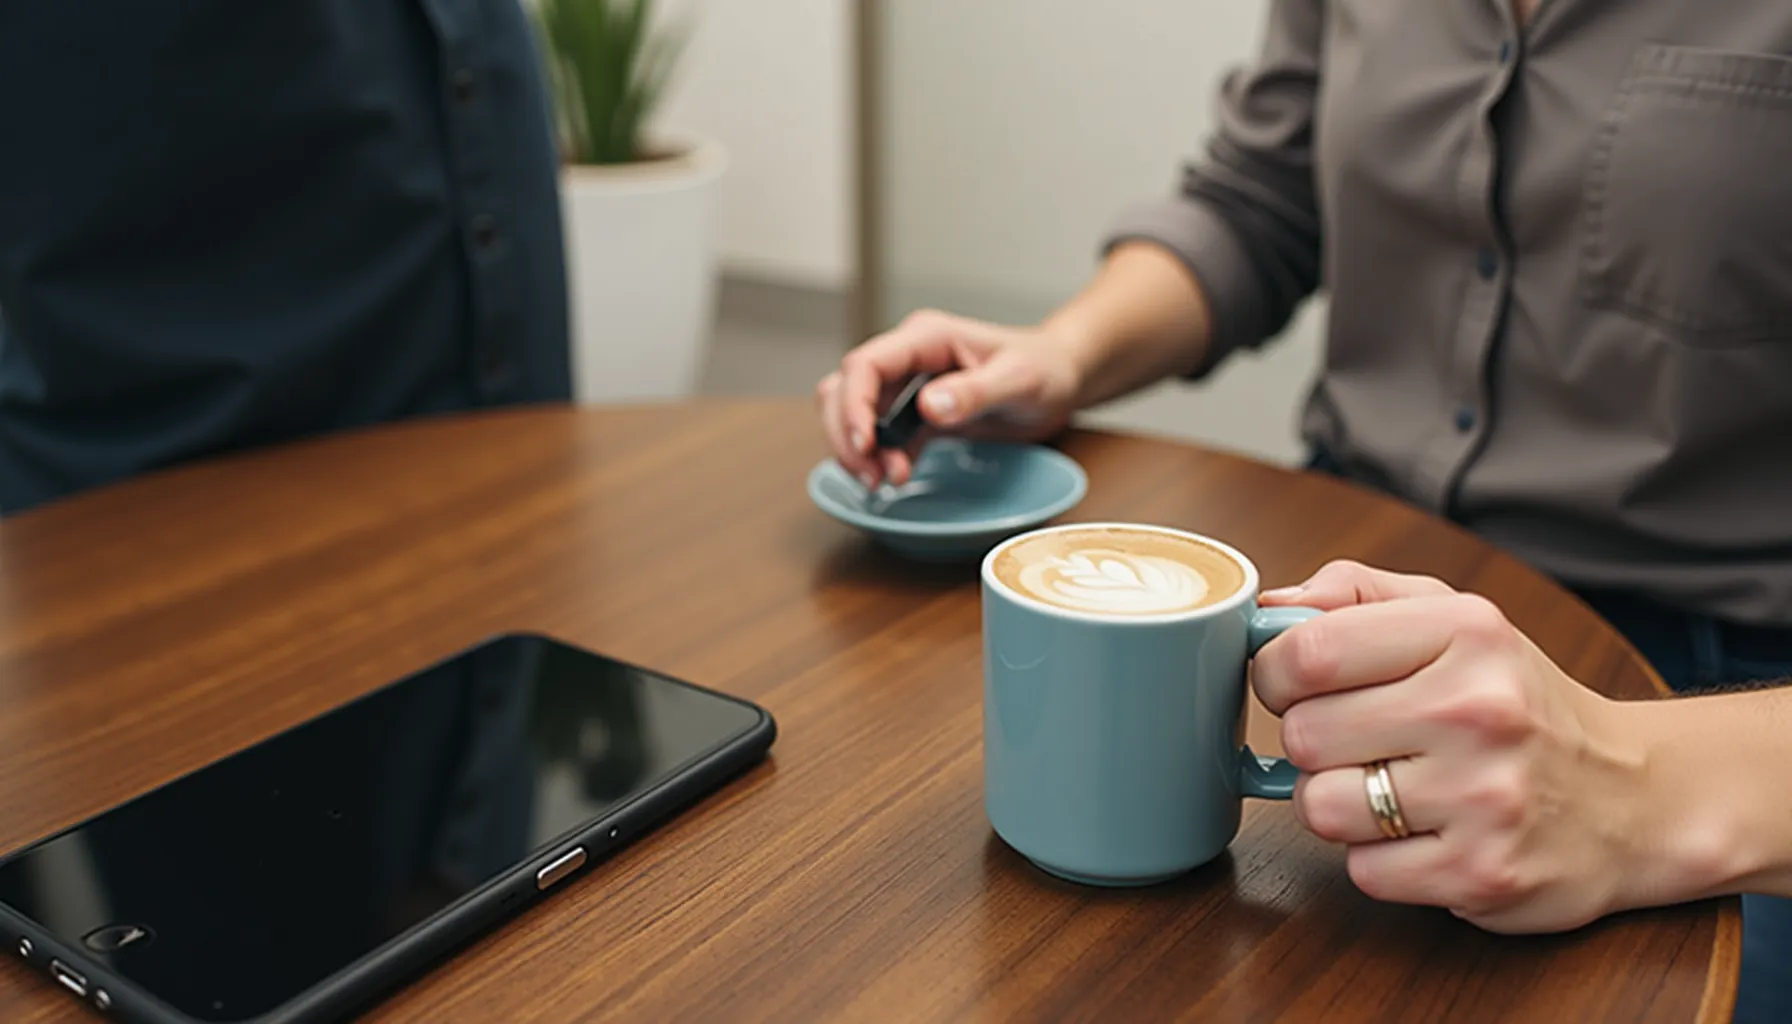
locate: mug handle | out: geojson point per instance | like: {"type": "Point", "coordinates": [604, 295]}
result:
{"type": "Point", "coordinates": [1270, 778]}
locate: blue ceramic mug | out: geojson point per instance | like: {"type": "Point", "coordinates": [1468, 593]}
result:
{"type": "Point", "coordinates": [1113, 699]}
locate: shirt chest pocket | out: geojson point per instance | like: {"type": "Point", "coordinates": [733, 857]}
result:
{"type": "Point", "coordinates": [1688, 222]}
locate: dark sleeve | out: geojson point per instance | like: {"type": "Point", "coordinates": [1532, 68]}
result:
{"type": "Point", "coordinates": [1246, 221]}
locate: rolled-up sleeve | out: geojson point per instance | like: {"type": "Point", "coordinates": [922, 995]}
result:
{"type": "Point", "coordinates": [1246, 220]}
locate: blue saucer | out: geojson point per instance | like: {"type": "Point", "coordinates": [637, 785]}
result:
{"type": "Point", "coordinates": [964, 498]}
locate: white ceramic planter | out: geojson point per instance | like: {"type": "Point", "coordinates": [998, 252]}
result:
{"type": "Point", "coordinates": [641, 272]}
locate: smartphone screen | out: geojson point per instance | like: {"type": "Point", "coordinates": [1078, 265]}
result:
{"type": "Point", "coordinates": [235, 889]}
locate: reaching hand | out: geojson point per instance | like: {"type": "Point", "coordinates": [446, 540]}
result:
{"type": "Point", "coordinates": [994, 382]}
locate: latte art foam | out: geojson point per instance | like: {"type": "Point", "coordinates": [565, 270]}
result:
{"type": "Point", "coordinates": [1118, 571]}
{"type": "Point", "coordinates": [1096, 580]}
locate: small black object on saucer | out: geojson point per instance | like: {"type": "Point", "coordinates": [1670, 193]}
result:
{"type": "Point", "coordinates": [902, 421]}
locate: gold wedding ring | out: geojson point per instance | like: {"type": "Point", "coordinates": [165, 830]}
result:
{"type": "Point", "coordinates": [1383, 804]}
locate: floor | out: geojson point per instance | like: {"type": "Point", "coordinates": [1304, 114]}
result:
{"type": "Point", "coordinates": [777, 340]}
{"type": "Point", "coordinates": [774, 340]}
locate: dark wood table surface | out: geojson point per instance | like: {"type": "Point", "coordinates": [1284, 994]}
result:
{"type": "Point", "coordinates": [152, 627]}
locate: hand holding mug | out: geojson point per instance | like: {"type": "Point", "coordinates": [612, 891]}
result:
{"type": "Point", "coordinates": [1525, 802]}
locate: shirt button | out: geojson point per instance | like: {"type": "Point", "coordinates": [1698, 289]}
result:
{"type": "Point", "coordinates": [1505, 51]}
{"type": "Point", "coordinates": [1465, 419]}
{"type": "Point", "coordinates": [466, 86]}
{"type": "Point", "coordinates": [1488, 264]}
{"type": "Point", "coordinates": [485, 230]}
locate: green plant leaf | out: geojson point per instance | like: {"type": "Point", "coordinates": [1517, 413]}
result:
{"type": "Point", "coordinates": [658, 63]}
{"type": "Point", "coordinates": [608, 68]}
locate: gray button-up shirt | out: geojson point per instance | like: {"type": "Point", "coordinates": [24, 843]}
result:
{"type": "Point", "coordinates": [1560, 265]}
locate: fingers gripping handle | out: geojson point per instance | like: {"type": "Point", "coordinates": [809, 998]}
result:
{"type": "Point", "coordinates": [1270, 778]}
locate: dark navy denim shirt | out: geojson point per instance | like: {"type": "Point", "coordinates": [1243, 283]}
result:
{"type": "Point", "coordinates": [225, 223]}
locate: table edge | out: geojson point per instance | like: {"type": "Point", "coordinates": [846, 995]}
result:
{"type": "Point", "coordinates": [1724, 973]}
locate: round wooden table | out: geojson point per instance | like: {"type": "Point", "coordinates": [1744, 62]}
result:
{"type": "Point", "coordinates": [149, 628]}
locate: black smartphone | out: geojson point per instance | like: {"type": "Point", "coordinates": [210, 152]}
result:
{"type": "Point", "coordinates": [306, 876]}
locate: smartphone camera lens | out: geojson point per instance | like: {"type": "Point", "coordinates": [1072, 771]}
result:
{"type": "Point", "coordinates": [115, 937]}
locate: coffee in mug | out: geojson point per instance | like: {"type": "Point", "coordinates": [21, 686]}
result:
{"type": "Point", "coordinates": [1119, 570]}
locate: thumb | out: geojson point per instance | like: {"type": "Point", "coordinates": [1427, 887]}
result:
{"type": "Point", "coordinates": [956, 398]}
{"type": "Point", "coordinates": [1343, 584]}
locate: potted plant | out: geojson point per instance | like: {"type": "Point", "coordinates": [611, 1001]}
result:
{"type": "Point", "coordinates": [638, 207]}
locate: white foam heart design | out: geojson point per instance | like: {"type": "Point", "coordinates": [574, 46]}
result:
{"type": "Point", "coordinates": [1115, 582]}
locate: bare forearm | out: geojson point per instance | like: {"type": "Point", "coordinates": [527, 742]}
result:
{"type": "Point", "coordinates": [1720, 780]}
{"type": "Point", "coordinates": [1142, 318]}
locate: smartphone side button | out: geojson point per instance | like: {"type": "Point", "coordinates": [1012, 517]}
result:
{"type": "Point", "coordinates": [563, 865]}
{"type": "Point", "coordinates": [69, 978]}
{"type": "Point", "coordinates": [101, 999]}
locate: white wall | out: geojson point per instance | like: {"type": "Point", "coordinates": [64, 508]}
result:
{"type": "Point", "coordinates": [773, 80]}
{"type": "Point", "coordinates": [1016, 130]}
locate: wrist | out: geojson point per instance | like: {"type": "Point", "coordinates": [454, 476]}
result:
{"type": "Point", "coordinates": [1691, 836]}
{"type": "Point", "coordinates": [1081, 349]}
{"type": "Point", "coordinates": [1141, 319]}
